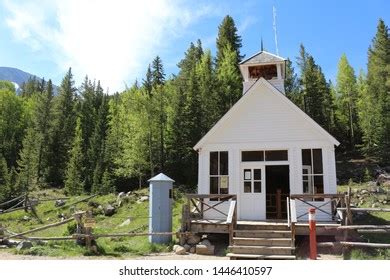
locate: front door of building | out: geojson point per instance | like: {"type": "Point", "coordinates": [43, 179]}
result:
{"type": "Point", "coordinates": [251, 203]}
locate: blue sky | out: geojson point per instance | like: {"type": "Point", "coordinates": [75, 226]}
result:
{"type": "Point", "coordinates": [113, 41]}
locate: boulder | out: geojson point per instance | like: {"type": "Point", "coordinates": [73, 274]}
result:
{"type": "Point", "coordinates": [109, 210]}
{"type": "Point", "coordinates": [382, 178]}
{"type": "Point", "coordinates": [187, 247]}
{"type": "Point", "coordinates": [377, 190]}
{"type": "Point", "coordinates": [205, 250]}
{"type": "Point", "coordinates": [119, 198]}
{"type": "Point", "coordinates": [364, 192]}
{"type": "Point", "coordinates": [125, 223]}
{"type": "Point", "coordinates": [179, 250]}
{"type": "Point", "coordinates": [24, 245]}
{"type": "Point", "coordinates": [59, 203]}
{"type": "Point", "coordinates": [193, 250]}
{"type": "Point", "coordinates": [206, 242]}
{"type": "Point", "coordinates": [93, 204]}
{"type": "Point", "coordinates": [193, 239]}
{"type": "Point", "coordinates": [143, 198]}
{"type": "Point", "coordinates": [386, 184]}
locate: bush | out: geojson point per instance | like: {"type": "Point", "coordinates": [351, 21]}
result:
{"type": "Point", "coordinates": [71, 228]}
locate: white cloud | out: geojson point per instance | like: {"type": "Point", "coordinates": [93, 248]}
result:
{"type": "Point", "coordinates": [108, 40]}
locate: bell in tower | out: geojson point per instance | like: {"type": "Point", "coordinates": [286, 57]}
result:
{"type": "Point", "coordinates": [263, 65]}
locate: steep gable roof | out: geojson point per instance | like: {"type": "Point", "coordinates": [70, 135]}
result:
{"type": "Point", "coordinates": [262, 57]}
{"type": "Point", "coordinates": [278, 97]}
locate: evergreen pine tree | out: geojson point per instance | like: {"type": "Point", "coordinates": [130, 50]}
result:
{"type": "Point", "coordinates": [347, 102]}
{"type": "Point", "coordinates": [228, 37]}
{"type": "Point", "coordinates": [229, 80]}
{"type": "Point", "coordinates": [291, 86]}
{"type": "Point", "coordinates": [148, 81]}
{"type": "Point", "coordinates": [378, 88]}
{"type": "Point", "coordinates": [96, 148]}
{"type": "Point", "coordinates": [43, 123]}
{"type": "Point", "coordinates": [208, 95]}
{"type": "Point", "coordinates": [317, 99]}
{"type": "Point", "coordinates": [62, 130]}
{"type": "Point", "coordinates": [74, 184]}
{"type": "Point", "coordinates": [27, 164]}
{"type": "Point", "coordinates": [158, 87]}
{"type": "Point", "coordinates": [5, 191]}
{"type": "Point", "coordinates": [158, 75]}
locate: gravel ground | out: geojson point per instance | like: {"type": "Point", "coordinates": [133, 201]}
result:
{"type": "Point", "coordinates": [165, 256]}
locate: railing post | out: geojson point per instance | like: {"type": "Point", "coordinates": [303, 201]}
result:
{"type": "Point", "coordinates": [1, 232]}
{"type": "Point", "coordinates": [279, 203]}
{"type": "Point", "coordinates": [288, 211]}
{"type": "Point", "coordinates": [348, 205]}
{"type": "Point", "coordinates": [201, 207]}
{"type": "Point", "coordinates": [312, 228]}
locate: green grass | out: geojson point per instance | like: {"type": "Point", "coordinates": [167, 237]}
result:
{"type": "Point", "coordinates": [371, 218]}
{"type": "Point", "coordinates": [138, 214]}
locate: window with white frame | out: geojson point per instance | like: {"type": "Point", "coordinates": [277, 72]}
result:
{"type": "Point", "coordinates": [219, 172]}
{"type": "Point", "coordinates": [312, 171]}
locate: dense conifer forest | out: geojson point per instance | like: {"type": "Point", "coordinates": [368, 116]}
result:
{"type": "Point", "coordinates": [86, 141]}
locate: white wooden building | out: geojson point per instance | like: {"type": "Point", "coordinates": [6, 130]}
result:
{"type": "Point", "coordinates": [264, 147]}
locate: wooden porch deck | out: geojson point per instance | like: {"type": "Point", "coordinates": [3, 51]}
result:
{"type": "Point", "coordinates": [267, 239]}
{"type": "Point", "coordinates": [301, 228]}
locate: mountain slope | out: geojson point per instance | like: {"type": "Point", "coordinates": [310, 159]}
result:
{"type": "Point", "coordinates": [14, 75]}
{"type": "Point", "coordinates": [18, 77]}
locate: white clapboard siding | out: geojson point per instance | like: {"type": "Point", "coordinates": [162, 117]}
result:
{"type": "Point", "coordinates": [303, 208]}
{"type": "Point", "coordinates": [263, 118]}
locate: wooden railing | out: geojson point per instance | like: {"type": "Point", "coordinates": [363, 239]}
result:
{"type": "Point", "coordinates": [199, 204]}
{"type": "Point", "coordinates": [276, 205]}
{"type": "Point", "coordinates": [313, 200]}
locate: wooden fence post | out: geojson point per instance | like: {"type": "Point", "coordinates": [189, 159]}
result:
{"type": "Point", "coordinates": [88, 231]}
{"type": "Point", "coordinates": [348, 220]}
{"type": "Point", "coordinates": [1, 232]}
{"type": "Point", "coordinates": [348, 206]}
{"type": "Point", "coordinates": [79, 226]}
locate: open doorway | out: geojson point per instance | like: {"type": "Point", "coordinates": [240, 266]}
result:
{"type": "Point", "coordinates": [277, 191]}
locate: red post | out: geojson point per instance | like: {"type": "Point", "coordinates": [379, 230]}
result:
{"type": "Point", "coordinates": [312, 228]}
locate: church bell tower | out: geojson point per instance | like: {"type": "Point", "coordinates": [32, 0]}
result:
{"type": "Point", "coordinates": [264, 65]}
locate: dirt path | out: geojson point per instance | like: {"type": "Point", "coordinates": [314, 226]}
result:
{"type": "Point", "coordinates": [164, 256]}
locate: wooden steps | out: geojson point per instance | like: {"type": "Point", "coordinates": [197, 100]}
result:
{"type": "Point", "coordinates": [261, 250]}
{"type": "Point", "coordinates": [263, 233]}
{"type": "Point", "coordinates": [262, 240]}
{"type": "Point", "coordinates": [234, 256]}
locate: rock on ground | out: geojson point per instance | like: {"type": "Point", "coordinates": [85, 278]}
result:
{"type": "Point", "coordinates": [125, 223]}
{"type": "Point", "coordinates": [143, 198]}
{"type": "Point", "coordinates": [59, 203]}
{"type": "Point", "coordinates": [179, 250]}
{"type": "Point", "coordinates": [24, 245]}
{"type": "Point", "coordinates": [187, 247]}
{"type": "Point", "coordinates": [193, 239]}
{"type": "Point", "coordinates": [109, 210]}
{"type": "Point", "coordinates": [205, 250]}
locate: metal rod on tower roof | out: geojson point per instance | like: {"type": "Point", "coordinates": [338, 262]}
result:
{"type": "Point", "coordinates": [262, 46]}
{"type": "Point", "coordinates": [275, 32]}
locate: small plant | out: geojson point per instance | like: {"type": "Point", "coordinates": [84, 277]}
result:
{"type": "Point", "coordinates": [121, 248]}
{"type": "Point", "coordinates": [70, 229]}
{"type": "Point", "coordinates": [367, 176]}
